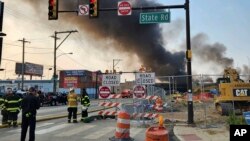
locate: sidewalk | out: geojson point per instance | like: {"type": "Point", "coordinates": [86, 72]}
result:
{"type": "Point", "coordinates": [188, 133]}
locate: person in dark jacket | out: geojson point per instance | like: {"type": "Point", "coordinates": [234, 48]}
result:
{"type": "Point", "coordinates": [29, 106]}
{"type": "Point", "coordinates": [85, 104]}
{"type": "Point", "coordinates": [4, 112]}
{"type": "Point", "coordinates": [12, 104]}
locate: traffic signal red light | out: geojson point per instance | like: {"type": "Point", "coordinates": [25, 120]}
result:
{"type": "Point", "coordinates": [53, 10]}
{"type": "Point", "coordinates": [93, 8]}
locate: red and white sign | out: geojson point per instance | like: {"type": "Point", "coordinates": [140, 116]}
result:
{"type": "Point", "coordinates": [104, 92]}
{"type": "Point", "coordinates": [83, 10]}
{"type": "Point", "coordinates": [139, 92]}
{"type": "Point", "coordinates": [124, 8]}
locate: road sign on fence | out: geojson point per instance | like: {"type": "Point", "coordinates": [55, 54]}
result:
{"type": "Point", "coordinates": [104, 92]}
{"type": "Point", "coordinates": [139, 92]}
{"type": "Point", "coordinates": [154, 17]}
{"type": "Point", "coordinates": [111, 80]}
{"type": "Point", "coordinates": [145, 78]}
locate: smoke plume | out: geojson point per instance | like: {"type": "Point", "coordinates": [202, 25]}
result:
{"type": "Point", "coordinates": [145, 41]}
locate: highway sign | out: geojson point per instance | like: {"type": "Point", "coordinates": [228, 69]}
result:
{"type": "Point", "coordinates": [111, 80]}
{"type": "Point", "coordinates": [154, 17]}
{"type": "Point", "coordinates": [139, 92]}
{"type": "Point", "coordinates": [124, 8]}
{"type": "Point", "coordinates": [104, 92]}
{"type": "Point", "coordinates": [145, 78]}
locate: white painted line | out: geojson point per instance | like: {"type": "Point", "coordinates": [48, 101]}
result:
{"type": "Point", "coordinates": [135, 131]}
{"type": "Point", "coordinates": [104, 131]}
{"type": "Point", "coordinates": [47, 130]}
{"type": "Point", "coordinates": [74, 131]}
{"type": "Point", "coordinates": [40, 125]}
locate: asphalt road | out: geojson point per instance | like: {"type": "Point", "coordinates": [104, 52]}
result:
{"type": "Point", "coordinates": [59, 129]}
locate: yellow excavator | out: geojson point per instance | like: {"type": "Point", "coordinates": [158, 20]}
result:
{"type": "Point", "coordinates": [234, 93]}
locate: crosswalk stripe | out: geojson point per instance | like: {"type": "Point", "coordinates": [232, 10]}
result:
{"type": "Point", "coordinates": [74, 131]}
{"type": "Point", "coordinates": [98, 134]}
{"type": "Point", "coordinates": [135, 131]}
{"type": "Point", "coordinates": [47, 130]}
{"type": "Point", "coordinates": [12, 137]}
{"type": "Point", "coordinates": [40, 125]}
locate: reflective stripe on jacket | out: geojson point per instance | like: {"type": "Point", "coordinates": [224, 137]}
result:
{"type": "Point", "coordinates": [1, 103]}
{"type": "Point", "coordinates": [12, 103]}
{"type": "Point", "coordinates": [72, 100]}
{"type": "Point", "coordinates": [85, 101]}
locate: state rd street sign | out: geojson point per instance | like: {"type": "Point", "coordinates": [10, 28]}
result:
{"type": "Point", "coordinates": [124, 8]}
{"type": "Point", "coordinates": [139, 92]}
{"type": "Point", "coordinates": [104, 92]}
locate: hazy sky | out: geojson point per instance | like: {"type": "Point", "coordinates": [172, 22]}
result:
{"type": "Point", "coordinates": [216, 26]}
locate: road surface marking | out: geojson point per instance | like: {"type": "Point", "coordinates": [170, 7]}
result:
{"type": "Point", "coordinates": [40, 125]}
{"type": "Point", "coordinates": [135, 131]}
{"type": "Point", "coordinates": [96, 135]}
{"type": "Point", "coordinates": [76, 130]}
{"type": "Point", "coordinates": [47, 130]}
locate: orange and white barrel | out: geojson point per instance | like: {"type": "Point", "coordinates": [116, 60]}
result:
{"type": "Point", "coordinates": [123, 125]}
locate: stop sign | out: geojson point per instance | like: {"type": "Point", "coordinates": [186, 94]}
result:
{"type": "Point", "coordinates": [139, 92]}
{"type": "Point", "coordinates": [124, 8]}
{"type": "Point", "coordinates": [104, 92]}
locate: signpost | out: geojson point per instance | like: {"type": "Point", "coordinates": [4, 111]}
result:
{"type": "Point", "coordinates": [139, 92]}
{"type": "Point", "coordinates": [104, 92]}
{"type": "Point", "coordinates": [145, 78]}
{"type": "Point", "coordinates": [154, 17]}
{"type": "Point", "coordinates": [111, 80]}
{"type": "Point", "coordinates": [124, 8]}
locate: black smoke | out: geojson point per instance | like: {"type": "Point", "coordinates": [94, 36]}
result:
{"type": "Point", "coordinates": [145, 41]}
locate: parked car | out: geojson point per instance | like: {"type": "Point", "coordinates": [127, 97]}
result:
{"type": "Point", "coordinates": [21, 93]}
{"type": "Point", "coordinates": [126, 93]}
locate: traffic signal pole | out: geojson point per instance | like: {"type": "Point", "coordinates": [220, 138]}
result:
{"type": "Point", "coordinates": [188, 51]}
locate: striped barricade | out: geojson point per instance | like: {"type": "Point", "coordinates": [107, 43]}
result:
{"type": "Point", "coordinates": [107, 113]}
{"type": "Point", "coordinates": [109, 104]}
{"type": "Point", "coordinates": [145, 115]}
{"type": "Point", "coordinates": [151, 97]}
{"type": "Point", "coordinates": [115, 96]}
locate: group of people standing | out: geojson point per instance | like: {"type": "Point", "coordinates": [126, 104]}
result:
{"type": "Point", "coordinates": [73, 104]}
{"type": "Point", "coordinates": [11, 105]}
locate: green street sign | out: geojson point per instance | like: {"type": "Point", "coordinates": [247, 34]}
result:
{"type": "Point", "coordinates": [154, 17]}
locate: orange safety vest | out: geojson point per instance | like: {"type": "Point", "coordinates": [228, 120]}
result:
{"type": "Point", "coordinates": [72, 100]}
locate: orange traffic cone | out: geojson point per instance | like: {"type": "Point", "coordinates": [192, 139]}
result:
{"type": "Point", "coordinates": [122, 132]}
{"type": "Point", "coordinates": [157, 133]}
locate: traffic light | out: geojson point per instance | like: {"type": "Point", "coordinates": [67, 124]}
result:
{"type": "Point", "coordinates": [53, 10]}
{"type": "Point", "coordinates": [93, 8]}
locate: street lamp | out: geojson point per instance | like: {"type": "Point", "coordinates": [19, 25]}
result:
{"type": "Point", "coordinates": [64, 54]}
{"type": "Point", "coordinates": [55, 76]}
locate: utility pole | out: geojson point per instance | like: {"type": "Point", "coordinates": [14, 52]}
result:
{"type": "Point", "coordinates": [55, 76]}
{"type": "Point", "coordinates": [24, 41]}
{"type": "Point", "coordinates": [114, 64]}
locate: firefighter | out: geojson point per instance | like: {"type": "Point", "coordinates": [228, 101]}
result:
{"type": "Point", "coordinates": [85, 104]}
{"type": "Point", "coordinates": [30, 105]}
{"type": "Point", "coordinates": [72, 105]}
{"type": "Point", "coordinates": [12, 104]}
{"type": "Point", "coordinates": [3, 110]}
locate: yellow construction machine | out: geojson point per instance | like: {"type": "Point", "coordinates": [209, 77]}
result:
{"type": "Point", "coordinates": [234, 93]}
